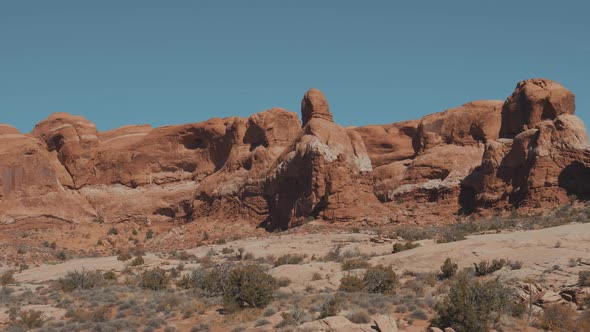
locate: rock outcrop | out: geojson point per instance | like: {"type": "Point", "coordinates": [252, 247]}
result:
{"type": "Point", "coordinates": [273, 170]}
{"type": "Point", "coordinates": [542, 155]}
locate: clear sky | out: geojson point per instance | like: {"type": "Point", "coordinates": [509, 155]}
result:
{"type": "Point", "coordinates": [120, 62]}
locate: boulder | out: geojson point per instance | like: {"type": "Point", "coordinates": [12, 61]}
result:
{"type": "Point", "coordinates": [333, 323]}
{"type": "Point", "coordinates": [385, 323]}
{"type": "Point", "coordinates": [534, 100]}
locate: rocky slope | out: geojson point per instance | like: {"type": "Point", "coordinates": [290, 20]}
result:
{"type": "Point", "coordinates": [272, 170]}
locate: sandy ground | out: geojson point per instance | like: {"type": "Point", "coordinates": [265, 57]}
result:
{"type": "Point", "coordinates": [539, 250]}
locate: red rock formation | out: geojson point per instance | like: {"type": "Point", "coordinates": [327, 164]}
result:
{"type": "Point", "coordinates": [272, 169]}
{"type": "Point", "coordinates": [32, 182]}
{"type": "Point", "coordinates": [324, 173]}
{"type": "Point", "coordinates": [540, 165]}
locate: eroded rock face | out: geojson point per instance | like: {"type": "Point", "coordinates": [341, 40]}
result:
{"type": "Point", "coordinates": [324, 173]}
{"type": "Point", "coordinates": [32, 183]}
{"type": "Point", "coordinates": [470, 124]}
{"type": "Point", "coordinates": [386, 144]}
{"type": "Point", "coordinates": [271, 169]}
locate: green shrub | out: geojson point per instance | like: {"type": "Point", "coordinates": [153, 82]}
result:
{"type": "Point", "coordinates": [7, 278]}
{"type": "Point", "coordinates": [484, 267]}
{"type": "Point", "coordinates": [249, 286]}
{"type": "Point", "coordinates": [380, 279]}
{"type": "Point", "coordinates": [289, 259]}
{"type": "Point", "coordinates": [81, 280]}
{"type": "Point", "coordinates": [149, 234]}
{"type": "Point", "coordinates": [472, 306]}
{"type": "Point", "coordinates": [154, 279]}
{"type": "Point", "coordinates": [351, 284]}
{"type": "Point", "coordinates": [113, 231]}
{"type": "Point", "coordinates": [212, 282]}
{"type": "Point", "coordinates": [448, 269]}
{"type": "Point", "coordinates": [398, 247]}
{"type": "Point", "coordinates": [355, 263]}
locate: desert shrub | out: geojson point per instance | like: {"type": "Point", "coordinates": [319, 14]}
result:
{"type": "Point", "coordinates": [227, 250]}
{"type": "Point", "coordinates": [448, 269]}
{"type": "Point", "coordinates": [137, 261]}
{"type": "Point", "coordinates": [149, 234]}
{"type": "Point", "coordinates": [261, 322]}
{"type": "Point", "coordinates": [333, 255]}
{"type": "Point", "coordinates": [113, 231]}
{"type": "Point", "coordinates": [293, 317]}
{"type": "Point", "coordinates": [214, 281]}
{"type": "Point", "coordinates": [484, 267]}
{"type": "Point", "coordinates": [249, 286]}
{"type": "Point", "coordinates": [472, 306]}
{"type": "Point", "coordinates": [61, 255]}
{"type": "Point", "coordinates": [398, 247]}
{"type": "Point", "coordinates": [451, 234]}
{"type": "Point", "coordinates": [331, 307]}
{"type": "Point", "coordinates": [380, 279]}
{"type": "Point", "coordinates": [515, 265]}
{"type": "Point", "coordinates": [418, 314]}
{"type": "Point", "coordinates": [154, 279]}
{"type": "Point", "coordinates": [7, 278]}
{"type": "Point", "coordinates": [359, 317]}
{"type": "Point", "coordinates": [351, 284]}
{"type": "Point", "coordinates": [202, 327]}
{"type": "Point", "coordinates": [81, 280]}
{"type": "Point", "coordinates": [289, 259]}
{"type": "Point", "coordinates": [283, 282]}
{"type": "Point", "coordinates": [124, 256]}
{"type": "Point", "coordinates": [109, 275]}
{"type": "Point", "coordinates": [316, 276]}
{"type": "Point", "coordinates": [99, 314]}
{"type": "Point", "coordinates": [558, 318]}
{"type": "Point", "coordinates": [29, 319]}
{"type": "Point", "coordinates": [584, 278]}
{"type": "Point", "coordinates": [355, 263]}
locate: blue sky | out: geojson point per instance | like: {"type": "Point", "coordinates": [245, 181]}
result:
{"type": "Point", "coordinates": [167, 62]}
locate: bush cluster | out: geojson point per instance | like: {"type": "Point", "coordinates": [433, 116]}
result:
{"type": "Point", "coordinates": [377, 279]}
{"type": "Point", "coordinates": [471, 305]}
{"type": "Point", "coordinates": [81, 280]}
{"type": "Point", "coordinates": [398, 247]}
{"type": "Point", "coordinates": [484, 267]}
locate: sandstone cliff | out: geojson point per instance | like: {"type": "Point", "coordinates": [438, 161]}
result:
{"type": "Point", "coordinates": [272, 170]}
